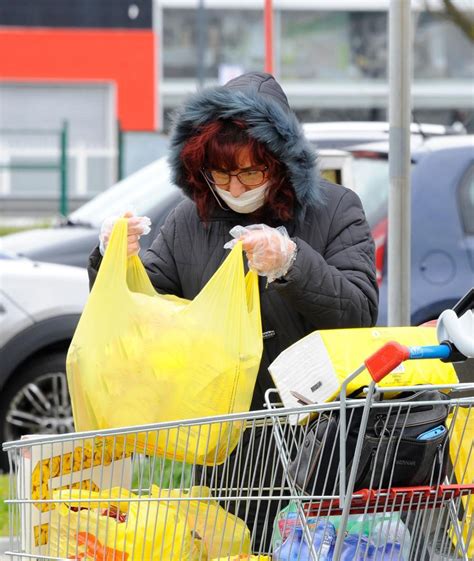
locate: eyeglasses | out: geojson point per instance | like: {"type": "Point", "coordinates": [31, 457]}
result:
{"type": "Point", "coordinates": [249, 178]}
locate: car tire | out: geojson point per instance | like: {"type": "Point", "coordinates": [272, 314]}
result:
{"type": "Point", "coordinates": [35, 400]}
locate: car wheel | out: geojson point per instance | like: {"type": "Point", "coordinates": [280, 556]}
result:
{"type": "Point", "coordinates": [36, 401]}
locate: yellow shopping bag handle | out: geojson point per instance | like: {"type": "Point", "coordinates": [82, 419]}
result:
{"type": "Point", "coordinates": [236, 288]}
{"type": "Point", "coordinates": [112, 274]}
{"type": "Point", "coordinates": [119, 273]}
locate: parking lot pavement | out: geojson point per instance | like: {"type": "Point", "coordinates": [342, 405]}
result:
{"type": "Point", "coordinates": [4, 546]}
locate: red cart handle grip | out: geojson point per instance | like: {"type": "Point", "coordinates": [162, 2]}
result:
{"type": "Point", "coordinates": [386, 359]}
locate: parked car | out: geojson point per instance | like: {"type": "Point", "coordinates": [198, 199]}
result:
{"type": "Point", "coordinates": [148, 192]}
{"type": "Point", "coordinates": [442, 225]}
{"type": "Point", "coordinates": [341, 134]}
{"type": "Point", "coordinates": [40, 305]}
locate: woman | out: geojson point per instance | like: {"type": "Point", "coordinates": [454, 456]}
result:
{"type": "Point", "coordinates": [326, 267]}
{"type": "Point", "coordinates": [240, 156]}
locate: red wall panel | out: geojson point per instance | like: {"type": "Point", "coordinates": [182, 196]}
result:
{"type": "Point", "coordinates": [124, 57]}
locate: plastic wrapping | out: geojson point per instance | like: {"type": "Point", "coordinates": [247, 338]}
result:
{"type": "Point", "coordinates": [270, 251]}
{"type": "Point", "coordinates": [118, 531]}
{"type": "Point", "coordinates": [220, 531]}
{"type": "Point", "coordinates": [364, 536]}
{"type": "Point", "coordinates": [355, 547]}
{"type": "Point", "coordinates": [316, 365]}
{"type": "Point", "coordinates": [107, 529]}
{"type": "Point", "coordinates": [142, 222]}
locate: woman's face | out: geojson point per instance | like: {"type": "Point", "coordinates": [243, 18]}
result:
{"type": "Point", "coordinates": [250, 175]}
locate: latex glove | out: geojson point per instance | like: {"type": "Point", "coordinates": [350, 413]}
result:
{"type": "Point", "coordinates": [137, 226]}
{"type": "Point", "coordinates": [270, 251]}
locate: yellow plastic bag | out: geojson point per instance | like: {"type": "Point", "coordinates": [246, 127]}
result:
{"type": "Point", "coordinates": [222, 533]}
{"type": "Point", "coordinates": [111, 530]}
{"type": "Point", "coordinates": [461, 450]}
{"type": "Point", "coordinates": [138, 357]}
{"type": "Point", "coordinates": [316, 365]}
{"type": "Point", "coordinates": [108, 529]}
{"type": "Point", "coordinates": [348, 348]}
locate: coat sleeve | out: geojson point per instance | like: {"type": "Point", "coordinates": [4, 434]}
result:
{"type": "Point", "coordinates": [95, 259]}
{"type": "Point", "coordinates": [158, 261]}
{"type": "Point", "coordinates": [336, 289]}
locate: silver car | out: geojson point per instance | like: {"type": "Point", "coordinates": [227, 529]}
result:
{"type": "Point", "coordinates": [40, 305]}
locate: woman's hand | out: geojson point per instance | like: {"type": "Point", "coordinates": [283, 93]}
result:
{"type": "Point", "coordinates": [137, 226]}
{"type": "Point", "coordinates": [270, 251]}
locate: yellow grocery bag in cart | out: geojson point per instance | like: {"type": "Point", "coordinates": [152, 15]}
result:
{"type": "Point", "coordinates": [221, 532]}
{"type": "Point", "coordinates": [112, 530]}
{"type": "Point", "coordinates": [461, 449]}
{"type": "Point", "coordinates": [315, 366]}
{"type": "Point", "coordinates": [139, 357]}
{"type": "Point", "coordinates": [118, 525]}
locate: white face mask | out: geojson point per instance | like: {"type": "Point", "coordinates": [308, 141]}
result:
{"type": "Point", "coordinates": [247, 202]}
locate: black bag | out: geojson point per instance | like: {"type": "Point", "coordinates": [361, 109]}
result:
{"type": "Point", "coordinates": [391, 454]}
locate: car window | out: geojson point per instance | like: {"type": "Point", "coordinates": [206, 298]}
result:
{"type": "Point", "coordinates": [371, 181]}
{"type": "Point", "coordinates": [466, 201]}
{"type": "Point", "coordinates": [139, 192]}
{"type": "Point", "coordinates": [333, 175]}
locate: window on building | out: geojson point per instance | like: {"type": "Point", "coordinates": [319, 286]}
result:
{"type": "Point", "coordinates": [232, 38]}
{"type": "Point", "coordinates": [35, 114]}
{"type": "Point", "coordinates": [338, 44]}
{"type": "Point", "coordinates": [325, 45]}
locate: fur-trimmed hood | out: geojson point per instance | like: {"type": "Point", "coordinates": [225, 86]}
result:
{"type": "Point", "coordinates": [258, 99]}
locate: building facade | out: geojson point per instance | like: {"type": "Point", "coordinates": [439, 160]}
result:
{"type": "Point", "coordinates": [330, 55]}
{"type": "Point", "coordinates": [103, 64]}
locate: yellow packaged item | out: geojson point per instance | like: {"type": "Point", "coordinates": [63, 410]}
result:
{"type": "Point", "coordinates": [111, 530]}
{"type": "Point", "coordinates": [87, 464]}
{"type": "Point", "coordinates": [461, 450]}
{"type": "Point", "coordinates": [220, 531]}
{"type": "Point", "coordinates": [139, 357]}
{"type": "Point", "coordinates": [131, 529]}
{"type": "Point", "coordinates": [316, 365]}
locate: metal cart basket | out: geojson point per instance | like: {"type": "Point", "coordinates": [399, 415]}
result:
{"type": "Point", "coordinates": [90, 496]}
{"type": "Point", "coordinates": [361, 468]}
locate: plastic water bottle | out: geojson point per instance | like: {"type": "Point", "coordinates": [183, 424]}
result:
{"type": "Point", "coordinates": [392, 530]}
{"type": "Point", "coordinates": [359, 548]}
{"type": "Point", "coordinates": [295, 547]}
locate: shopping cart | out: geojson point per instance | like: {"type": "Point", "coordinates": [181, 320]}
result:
{"type": "Point", "coordinates": [95, 495]}
{"type": "Point", "coordinates": [373, 483]}
{"type": "Point", "coordinates": [421, 518]}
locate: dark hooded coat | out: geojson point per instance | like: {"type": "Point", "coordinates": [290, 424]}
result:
{"type": "Point", "coordinates": [332, 282]}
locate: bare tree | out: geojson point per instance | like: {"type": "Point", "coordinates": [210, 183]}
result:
{"type": "Point", "coordinates": [458, 12]}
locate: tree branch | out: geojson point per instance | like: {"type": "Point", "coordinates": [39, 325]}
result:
{"type": "Point", "coordinates": [460, 19]}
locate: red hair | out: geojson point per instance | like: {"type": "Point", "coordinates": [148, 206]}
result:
{"type": "Point", "coordinates": [216, 146]}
